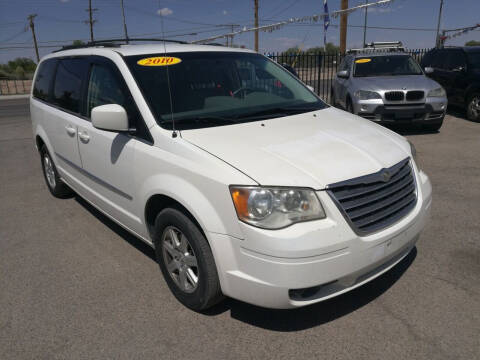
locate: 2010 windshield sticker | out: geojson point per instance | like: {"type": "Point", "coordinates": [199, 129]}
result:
{"type": "Point", "coordinates": [362, 61]}
{"type": "Point", "coordinates": [159, 61]}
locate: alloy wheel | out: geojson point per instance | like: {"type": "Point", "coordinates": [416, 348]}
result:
{"type": "Point", "coordinates": [49, 171]}
{"type": "Point", "coordinates": [180, 259]}
{"type": "Point", "coordinates": [474, 107]}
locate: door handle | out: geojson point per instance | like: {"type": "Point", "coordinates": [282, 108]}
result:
{"type": "Point", "coordinates": [84, 137]}
{"type": "Point", "coordinates": [70, 130]}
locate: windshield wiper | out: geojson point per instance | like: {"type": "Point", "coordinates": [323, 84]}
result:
{"type": "Point", "coordinates": [277, 111]}
{"type": "Point", "coordinates": [210, 120]}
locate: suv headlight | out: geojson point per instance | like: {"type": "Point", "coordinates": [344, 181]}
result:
{"type": "Point", "coordinates": [275, 207]}
{"type": "Point", "coordinates": [367, 95]}
{"type": "Point", "coordinates": [438, 92]}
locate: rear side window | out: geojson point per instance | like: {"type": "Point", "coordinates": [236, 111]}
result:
{"type": "Point", "coordinates": [44, 79]}
{"type": "Point", "coordinates": [71, 74]}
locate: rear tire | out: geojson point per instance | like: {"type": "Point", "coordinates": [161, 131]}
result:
{"type": "Point", "coordinates": [186, 260]}
{"type": "Point", "coordinates": [54, 183]}
{"type": "Point", "coordinates": [473, 107]}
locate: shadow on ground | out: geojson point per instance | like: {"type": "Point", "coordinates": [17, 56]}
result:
{"type": "Point", "coordinates": [281, 320]}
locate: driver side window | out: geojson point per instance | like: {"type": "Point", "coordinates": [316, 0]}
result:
{"type": "Point", "coordinates": [104, 88]}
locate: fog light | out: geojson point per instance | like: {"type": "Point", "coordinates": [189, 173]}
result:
{"type": "Point", "coordinates": [363, 108]}
{"type": "Point", "coordinates": [378, 117]}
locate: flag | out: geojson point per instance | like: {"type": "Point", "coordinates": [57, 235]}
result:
{"type": "Point", "coordinates": [326, 22]}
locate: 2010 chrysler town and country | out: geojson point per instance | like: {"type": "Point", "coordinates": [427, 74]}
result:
{"type": "Point", "coordinates": [242, 179]}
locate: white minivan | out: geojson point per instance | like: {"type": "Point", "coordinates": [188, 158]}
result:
{"type": "Point", "coordinates": [244, 181]}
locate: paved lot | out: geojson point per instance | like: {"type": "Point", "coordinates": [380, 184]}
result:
{"type": "Point", "coordinates": [74, 285]}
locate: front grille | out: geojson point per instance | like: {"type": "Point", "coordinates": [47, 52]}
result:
{"type": "Point", "coordinates": [415, 95]}
{"type": "Point", "coordinates": [394, 96]}
{"type": "Point", "coordinates": [373, 202]}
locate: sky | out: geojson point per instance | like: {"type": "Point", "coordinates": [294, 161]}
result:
{"type": "Point", "coordinates": [62, 21]}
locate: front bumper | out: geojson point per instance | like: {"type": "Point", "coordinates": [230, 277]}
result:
{"type": "Point", "coordinates": [313, 261]}
{"type": "Point", "coordinates": [432, 110]}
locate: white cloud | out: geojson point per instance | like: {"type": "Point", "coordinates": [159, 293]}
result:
{"type": "Point", "coordinates": [225, 12]}
{"type": "Point", "coordinates": [165, 11]}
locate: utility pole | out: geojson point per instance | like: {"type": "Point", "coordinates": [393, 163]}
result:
{"type": "Point", "coordinates": [365, 26]}
{"type": "Point", "coordinates": [124, 22]}
{"type": "Point", "coordinates": [32, 26]}
{"type": "Point", "coordinates": [343, 27]}
{"type": "Point", "coordinates": [437, 41]}
{"type": "Point", "coordinates": [256, 25]}
{"type": "Point", "coordinates": [90, 20]}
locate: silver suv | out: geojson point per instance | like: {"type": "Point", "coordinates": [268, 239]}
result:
{"type": "Point", "coordinates": [385, 84]}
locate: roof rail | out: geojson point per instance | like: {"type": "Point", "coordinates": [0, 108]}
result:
{"type": "Point", "coordinates": [380, 45]}
{"type": "Point", "coordinates": [115, 43]}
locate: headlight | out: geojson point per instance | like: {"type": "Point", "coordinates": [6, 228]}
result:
{"type": "Point", "coordinates": [275, 207]}
{"type": "Point", "coordinates": [367, 95]}
{"type": "Point", "coordinates": [438, 92]}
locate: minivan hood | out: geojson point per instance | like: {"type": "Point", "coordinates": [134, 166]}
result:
{"type": "Point", "coordinates": [309, 150]}
{"type": "Point", "coordinates": [407, 82]}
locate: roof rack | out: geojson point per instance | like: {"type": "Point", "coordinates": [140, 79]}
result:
{"type": "Point", "coordinates": [115, 43]}
{"type": "Point", "coordinates": [380, 45]}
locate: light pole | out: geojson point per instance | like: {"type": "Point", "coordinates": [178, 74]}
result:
{"type": "Point", "coordinates": [365, 26]}
{"type": "Point", "coordinates": [437, 41]}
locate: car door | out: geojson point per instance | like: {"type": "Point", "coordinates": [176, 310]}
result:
{"type": "Point", "coordinates": [456, 75]}
{"type": "Point", "coordinates": [440, 73]}
{"type": "Point", "coordinates": [107, 156]}
{"type": "Point", "coordinates": [341, 83]}
{"type": "Point", "coordinates": [63, 118]}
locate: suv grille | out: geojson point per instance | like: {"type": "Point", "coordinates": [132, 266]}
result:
{"type": "Point", "coordinates": [394, 95]}
{"type": "Point", "coordinates": [373, 202]}
{"type": "Point", "coordinates": [415, 95]}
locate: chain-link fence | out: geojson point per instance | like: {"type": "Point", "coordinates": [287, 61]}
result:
{"type": "Point", "coordinates": [319, 69]}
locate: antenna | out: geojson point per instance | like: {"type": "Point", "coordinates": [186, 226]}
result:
{"type": "Point", "coordinates": [172, 118]}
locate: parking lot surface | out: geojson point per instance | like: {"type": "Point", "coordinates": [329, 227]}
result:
{"type": "Point", "coordinates": [75, 285]}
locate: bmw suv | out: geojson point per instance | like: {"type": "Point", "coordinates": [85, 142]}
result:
{"type": "Point", "coordinates": [384, 84]}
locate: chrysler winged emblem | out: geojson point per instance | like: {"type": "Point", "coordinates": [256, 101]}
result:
{"type": "Point", "coordinates": [385, 176]}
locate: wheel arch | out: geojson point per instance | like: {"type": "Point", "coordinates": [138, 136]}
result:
{"type": "Point", "coordinates": [208, 206]}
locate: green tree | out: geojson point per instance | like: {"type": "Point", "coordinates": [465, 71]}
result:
{"type": "Point", "coordinates": [27, 64]}
{"type": "Point", "coordinates": [20, 72]}
{"type": "Point", "coordinates": [472, 43]}
{"type": "Point", "coordinates": [78, 43]}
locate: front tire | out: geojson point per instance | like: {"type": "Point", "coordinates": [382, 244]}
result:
{"type": "Point", "coordinates": [473, 107]}
{"type": "Point", "coordinates": [349, 107]}
{"type": "Point", "coordinates": [54, 183]}
{"type": "Point", "coordinates": [186, 260]}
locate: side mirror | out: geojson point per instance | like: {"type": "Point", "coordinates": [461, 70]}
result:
{"type": "Point", "coordinates": [111, 117]}
{"type": "Point", "coordinates": [343, 74]}
{"type": "Point", "coordinates": [428, 70]}
{"type": "Point", "coordinates": [311, 88]}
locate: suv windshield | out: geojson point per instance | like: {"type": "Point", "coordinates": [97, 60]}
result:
{"type": "Point", "coordinates": [386, 66]}
{"type": "Point", "coordinates": [218, 88]}
{"type": "Point", "coordinates": [474, 60]}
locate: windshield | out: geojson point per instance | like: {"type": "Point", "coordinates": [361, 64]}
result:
{"type": "Point", "coordinates": [386, 66]}
{"type": "Point", "coordinates": [474, 60]}
{"type": "Point", "coordinates": [218, 88]}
